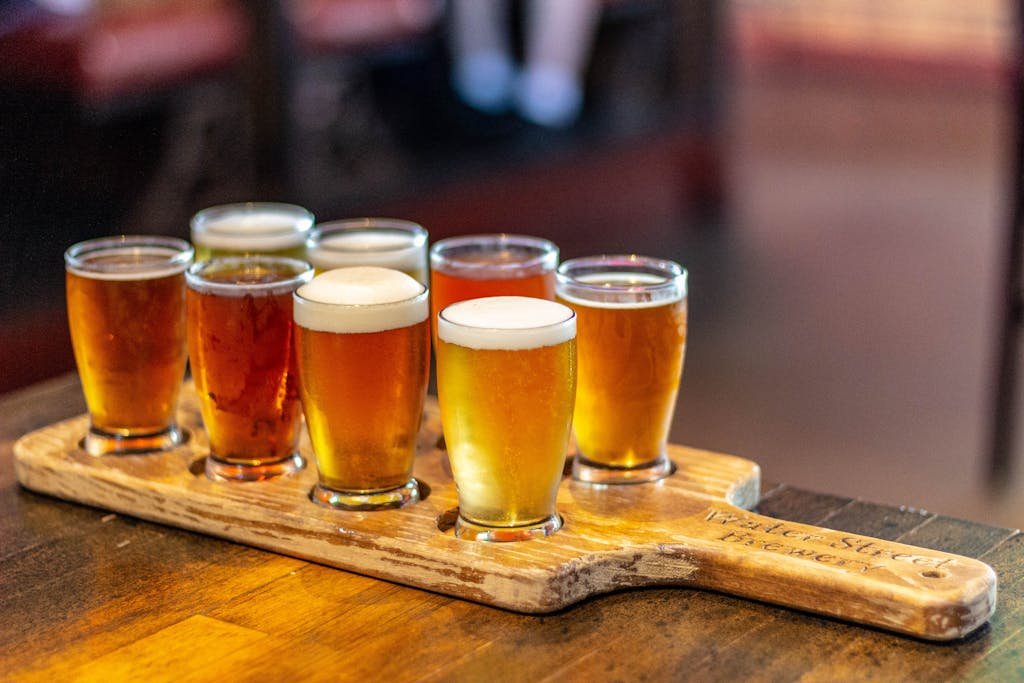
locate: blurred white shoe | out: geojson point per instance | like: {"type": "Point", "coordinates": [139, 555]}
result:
{"type": "Point", "coordinates": [549, 96]}
{"type": "Point", "coordinates": [484, 81]}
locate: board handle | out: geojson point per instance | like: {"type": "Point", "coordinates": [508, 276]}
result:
{"type": "Point", "coordinates": [916, 591]}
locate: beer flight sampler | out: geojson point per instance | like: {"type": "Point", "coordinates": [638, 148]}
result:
{"type": "Point", "coordinates": [541, 474]}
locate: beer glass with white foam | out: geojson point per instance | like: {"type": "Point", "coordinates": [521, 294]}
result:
{"type": "Point", "coordinates": [362, 339]}
{"type": "Point", "coordinates": [631, 318]}
{"type": "Point", "coordinates": [126, 312]}
{"type": "Point", "coordinates": [384, 242]}
{"type": "Point", "coordinates": [243, 363]}
{"type": "Point", "coordinates": [246, 228]}
{"type": "Point", "coordinates": [506, 376]}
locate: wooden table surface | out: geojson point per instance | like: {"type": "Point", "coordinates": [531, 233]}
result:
{"type": "Point", "coordinates": [86, 594]}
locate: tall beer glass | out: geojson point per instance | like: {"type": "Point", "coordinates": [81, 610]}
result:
{"type": "Point", "coordinates": [126, 312]}
{"type": "Point", "coordinates": [506, 379]}
{"type": "Point", "coordinates": [631, 313]}
{"type": "Point", "coordinates": [383, 242]}
{"type": "Point", "coordinates": [362, 338]}
{"type": "Point", "coordinates": [240, 347]}
{"type": "Point", "coordinates": [268, 228]}
{"type": "Point", "coordinates": [476, 266]}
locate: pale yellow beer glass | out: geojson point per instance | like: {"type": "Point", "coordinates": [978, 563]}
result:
{"type": "Point", "coordinates": [631, 318]}
{"type": "Point", "coordinates": [384, 242]}
{"type": "Point", "coordinates": [506, 376]}
{"type": "Point", "coordinates": [126, 312]}
{"type": "Point", "coordinates": [362, 340]}
{"type": "Point", "coordinates": [251, 228]}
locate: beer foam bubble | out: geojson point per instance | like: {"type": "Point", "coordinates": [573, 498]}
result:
{"type": "Point", "coordinates": [260, 229]}
{"type": "Point", "coordinates": [379, 246]}
{"type": "Point", "coordinates": [621, 290]}
{"type": "Point", "coordinates": [360, 299]}
{"type": "Point", "coordinates": [506, 322]}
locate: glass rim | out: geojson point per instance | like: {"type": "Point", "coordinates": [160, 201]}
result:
{"type": "Point", "coordinates": [534, 328]}
{"type": "Point", "coordinates": [399, 225]}
{"type": "Point", "coordinates": [424, 293]}
{"type": "Point", "coordinates": [367, 222]}
{"type": "Point", "coordinates": [302, 272]}
{"type": "Point", "coordinates": [351, 318]}
{"type": "Point", "coordinates": [293, 235]}
{"type": "Point", "coordinates": [179, 255]}
{"type": "Point", "coordinates": [199, 218]}
{"type": "Point", "coordinates": [546, 251]}
{"type": "Point", "coordinates": [508, 335]}
{"type": "Point", "coordinates": [674, 275]}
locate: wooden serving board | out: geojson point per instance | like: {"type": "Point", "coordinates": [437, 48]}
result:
{"type": "Point", "coordinates": [691, 529]}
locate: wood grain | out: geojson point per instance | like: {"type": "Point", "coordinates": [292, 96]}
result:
{"type": "Point", "coordinates": [78, 583]}
{"type": "Point", "coordinates": [690, 529]}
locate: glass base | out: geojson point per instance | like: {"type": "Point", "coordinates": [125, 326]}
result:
{"type": "Point", "coordinates": [98, 442]}
{"type": "Point", "coordinates": [222, 470]}
{"type": "Point", "coordinates": [406, 494]}
{"type": "Point", "coordinates": [499, 534]}
{"type": "Point", "coordinates": [595, 473]}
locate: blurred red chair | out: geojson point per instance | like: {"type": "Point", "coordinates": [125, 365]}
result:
{"type": "Point", "coordinates": [351, 25]}
{"type": "Point", "coordinates": [124, 48]}
{"type": "Point", "coordinates": [75, 87]}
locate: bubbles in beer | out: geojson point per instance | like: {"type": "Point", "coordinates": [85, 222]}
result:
{"type": "Point", "coordinates": [360, 299]}
{"type": "Point", "coordinates": [506, 322]}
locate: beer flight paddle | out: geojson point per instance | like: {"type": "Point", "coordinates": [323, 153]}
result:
{"type": "Point", "coordinates": [693, 529]}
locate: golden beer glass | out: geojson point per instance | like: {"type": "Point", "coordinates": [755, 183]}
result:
{"type": "Point", "coordinates": [246, 228]}
{"type": "Point", "coordinates": [384, 242]}
{"type": "Point", "coordinates": [126, 312]}
{"type": "Point", "coordinates": [362, 339]}
{"type": "Point", "coordinates": [243, 363]}
{"type": "Point", "coordinates": [631, 318]}
{"type": "Point", "coordinates": [506, 376]}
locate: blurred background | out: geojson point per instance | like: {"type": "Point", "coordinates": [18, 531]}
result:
{"type": "Point", "coordinates": [840, 177]}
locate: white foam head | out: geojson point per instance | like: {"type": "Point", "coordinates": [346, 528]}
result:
{"type": "Point", "coordinates": [382, 247]}
{"type": "Point", "coordinates": [506, 322]}
{"type": "Point", "coordinates": [360, 299]}
{"type": "Point", "coordinates": [261, 226]}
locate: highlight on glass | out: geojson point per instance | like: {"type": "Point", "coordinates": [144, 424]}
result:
{"type": "Point", "coordinates": [126, 313]}
{"type": "Point", "coordinates": [631, 323]}
{"type": "Point", "coordinates": [384, 242]}
{"type": "Point", "coordinates": [506, 379]}
{"type": "Point", "coordinates": [239, 312]}
{"type": "Point", "coordinates": [248, 228]}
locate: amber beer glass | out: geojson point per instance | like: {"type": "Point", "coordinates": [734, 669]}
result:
{"type": "Point", "coordinates": [631, 313]}
{"type": "Point", "coordinates": [126, 312]}
{"type": "Point", "coordinates": [362, 338]}
{"type": "Point", "coordinates": [474, 266]}
{"type": "Point", "coordinates": [384, 242]}
{"type": "Point", "coordinates": [243, 363]}
{"type": "Point", "coordinates": [506, 376]}
{"type": "Point", "coordinates": [268, 228]}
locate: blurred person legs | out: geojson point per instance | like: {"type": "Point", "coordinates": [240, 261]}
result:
{"type": "Point", "coordinates": [559, 37]}
{"type": "Point", "coordinates": [483, 69]}
{"type": "Point", "coordinates": [548, 90]}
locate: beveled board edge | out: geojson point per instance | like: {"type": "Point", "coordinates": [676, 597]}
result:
{"type": "Point", "coordinates": [405, 546]}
